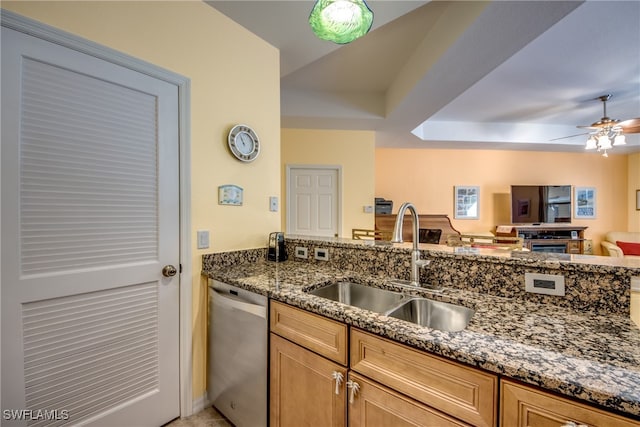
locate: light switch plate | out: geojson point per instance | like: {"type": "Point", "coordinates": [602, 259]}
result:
{"type": "Point", "coordinates": [548, 284]}
{"type": "Point", "coordinates": [203, 239]}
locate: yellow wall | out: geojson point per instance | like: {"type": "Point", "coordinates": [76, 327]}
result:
{"type": "Point", "coordinates": [427, 178]}
{"type": "Point", "coordinates": [234, 79]}
{"type": "Point", "coordinates": [353, 150]}
{"type": "Point", "coordinates": [633, 186]}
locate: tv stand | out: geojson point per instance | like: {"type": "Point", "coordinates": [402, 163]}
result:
{"type": "Point", "coordinates": [559, 238]}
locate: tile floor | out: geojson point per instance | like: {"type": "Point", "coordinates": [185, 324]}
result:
{"type": "Point", "coordinates": [209, 417]}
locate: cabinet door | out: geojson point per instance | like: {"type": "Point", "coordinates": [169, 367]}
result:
{"type": "Point", "coordinates": [524, 406]}
{"type": "Point", "coordinates": [303, 387]}
{"type": "Point", "coordinates": [378, 406]}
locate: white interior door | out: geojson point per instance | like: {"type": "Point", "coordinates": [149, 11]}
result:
{"type": "Point", "coordinates": [90, 215]}
{"type": "Point", "coordinates": [313, 201]}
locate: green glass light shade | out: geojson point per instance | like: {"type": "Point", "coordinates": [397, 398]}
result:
{"type": "Point", "coordinates": [340, 21]}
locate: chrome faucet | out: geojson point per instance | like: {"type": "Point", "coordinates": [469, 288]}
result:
{"type": "Point", "coordinates": [416, 262]}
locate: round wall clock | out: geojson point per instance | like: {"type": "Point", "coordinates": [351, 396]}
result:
{"type": "Point", "coordinates": [244, 143]}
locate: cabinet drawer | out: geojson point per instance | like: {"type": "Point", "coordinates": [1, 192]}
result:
{"type": "Point", "coordinates": [319, 334]}
{"type": "Point", "coordinates": [573, 248]}
{"type": "Point", "coordinates": [524, 406]}
{"type": "Point", "coordinates": [375, 405]}
{"type": "Point", "coordinates": [465, 392]}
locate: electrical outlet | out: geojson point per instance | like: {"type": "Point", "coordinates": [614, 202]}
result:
{"type": "Point", "coordinates": [548, 284]}
{"type": "Point", "coordinates": [367, 209]}
{"type": "Point", "coordinates": [302, 252]}
{"type": "Point", "coordinates": [321, 254]}
{"type": "Point", "coordinates": [203, 239]}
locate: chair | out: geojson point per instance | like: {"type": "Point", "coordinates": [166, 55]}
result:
{"type": "Point", "coordinates": [611, 248]}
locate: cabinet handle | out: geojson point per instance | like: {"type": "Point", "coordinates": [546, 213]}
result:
{"type": "Point", "coordinates": [339, 378]}
{"type": "Point", "coordinates": [355, 387]}
{"type": "Point", "coordinates": [573, 424]}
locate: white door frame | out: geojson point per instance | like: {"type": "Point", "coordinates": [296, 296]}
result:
{"type": "Point", "coordinates": [45, 32]}
{"type": "Point", "coordinates": [288, 169]}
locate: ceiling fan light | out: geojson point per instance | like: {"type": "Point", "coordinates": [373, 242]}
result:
{"type": "Point", "coordinates": [604, 143]}
{"type": "Point", "coordinates": [340, 21]}
{"type": "Point", "coordinates": [591, 144]}
{"type": "Point", "coordinates": [620, 140]}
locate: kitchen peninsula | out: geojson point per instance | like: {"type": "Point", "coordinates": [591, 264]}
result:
{"type": "Point", "coordinates": [582, 347]}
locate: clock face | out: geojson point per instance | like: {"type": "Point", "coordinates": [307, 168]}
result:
{"type": "Point", "coordinates": [244, 143]}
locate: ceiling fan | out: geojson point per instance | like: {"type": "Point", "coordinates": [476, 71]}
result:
{"type": "Point", "coordinates": [607, 132]}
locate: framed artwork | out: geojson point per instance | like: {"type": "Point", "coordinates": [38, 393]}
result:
{"type": "Point", "coordinates": [585, 202]}
{"type": "Point", "coordinates": [467, 202]}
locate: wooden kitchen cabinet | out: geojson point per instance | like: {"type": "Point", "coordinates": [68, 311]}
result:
{"type": "Point", "coordinates": [307, 353]}
{"type": "Point", "coordinates": [525, 406]}
{"type": "Point", "coordinates": [461, 391]}
{"type": "Point", "coordinates": [303, 387]}
{"type": "Point", "coordinates": [398, 385]}
{"type": "Point", "coordinates": [378, 406]}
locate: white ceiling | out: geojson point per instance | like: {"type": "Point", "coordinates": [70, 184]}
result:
{"type": "Point", "coordinates": [455, 74]}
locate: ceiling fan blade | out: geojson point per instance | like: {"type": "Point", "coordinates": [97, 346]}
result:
{"type": "Point", "coordinates": [570, 136]}
{"type": "Point", "coordinates": [630, 126]}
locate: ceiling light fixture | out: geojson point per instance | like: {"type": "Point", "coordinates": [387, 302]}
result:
{"type": "Point", "coordinates": [340, 21]}
{"type": "Point", "coordinates": [606, 132]}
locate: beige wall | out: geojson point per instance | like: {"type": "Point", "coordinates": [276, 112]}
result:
{"type": "Point", "coordinates": [353, 150]}
{"type": "Point", "coordinates": [427, 178]}
{"type": "Point", "coordinates": [234, 79]}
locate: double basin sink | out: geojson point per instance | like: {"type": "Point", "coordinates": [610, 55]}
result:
{"type": "Point", "coordinates": [421, 311]}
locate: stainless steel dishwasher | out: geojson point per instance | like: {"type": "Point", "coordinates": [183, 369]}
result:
{"type": "Point", "coordinates": [237, 377]}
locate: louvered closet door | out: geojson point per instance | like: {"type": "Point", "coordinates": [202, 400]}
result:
{"type": "Point", "coordinates": [89, 218]}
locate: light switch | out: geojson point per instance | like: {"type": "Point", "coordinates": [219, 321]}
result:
{"type": "Point", "coordinates": [203, 239]}
{"type": "Point", "coordinates": [273, 204]}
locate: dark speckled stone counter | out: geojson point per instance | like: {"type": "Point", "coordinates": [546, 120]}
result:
{"type": "Point", "coordinates": [592, 356]}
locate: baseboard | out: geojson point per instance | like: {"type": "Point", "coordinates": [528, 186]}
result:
{"type": "Point", "coordinates": [201, 403]}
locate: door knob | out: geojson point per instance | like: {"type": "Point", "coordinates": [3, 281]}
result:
{"type": "Point", "coordinates": [169, 271]}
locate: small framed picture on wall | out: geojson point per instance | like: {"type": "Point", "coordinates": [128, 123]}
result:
{"type": "Point", "coordinates": [584, 202]}
{"type": "Point", "coordinates": [467, 201]}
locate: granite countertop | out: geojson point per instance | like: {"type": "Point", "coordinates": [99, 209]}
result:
{"type": "Point", "coordinates": [589, 357]}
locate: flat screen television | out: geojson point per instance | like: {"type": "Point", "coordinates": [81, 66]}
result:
{"type": "Point", "coordinates": [533, 204]}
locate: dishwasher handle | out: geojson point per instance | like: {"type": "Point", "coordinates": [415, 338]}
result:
{"type": "Point", "coordinates": [224, 301]}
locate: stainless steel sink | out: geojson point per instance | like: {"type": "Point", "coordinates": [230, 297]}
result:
{"type": "Point", "coordinates": [434, 314]}
{"type": "Point", "coordinates": [361, 296]}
